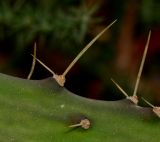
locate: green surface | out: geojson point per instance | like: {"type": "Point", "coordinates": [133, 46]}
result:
{"type": "Point", "coordinates": [41, 111]}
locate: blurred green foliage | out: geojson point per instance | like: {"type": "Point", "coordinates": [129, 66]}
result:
{"type": "Point", "coordinates": [149, 11]}
{"type": "Point", "coordinates": [63, 24]}
{"type": "Point", "coordinates": [23, 22]}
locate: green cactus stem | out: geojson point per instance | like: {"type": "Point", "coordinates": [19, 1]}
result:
{"type": "Point", "coordinates": [42, 110]}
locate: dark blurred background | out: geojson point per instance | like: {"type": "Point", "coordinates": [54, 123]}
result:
{"type": "Point", "coordinates": [62, 28]}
